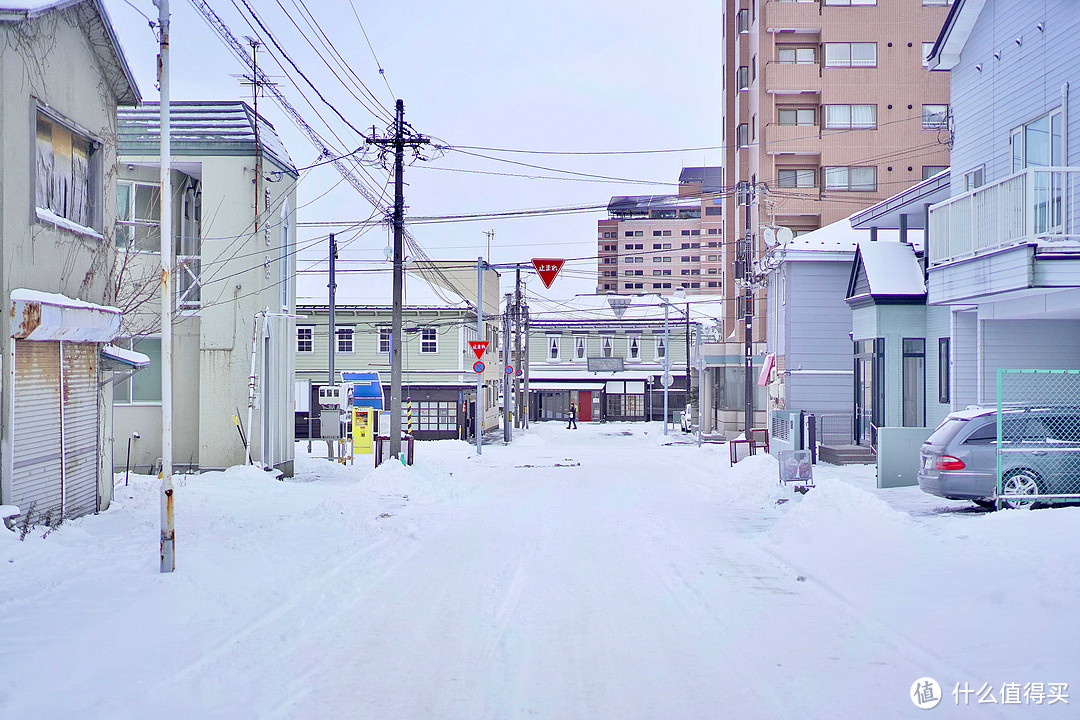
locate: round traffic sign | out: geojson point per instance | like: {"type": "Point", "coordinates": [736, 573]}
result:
{"type": "Point", "coordinates": [519, 373]}
{"type": "Point", "coordinates": [509, 370]}
{"type": "Point", "coordinates": [478, 367]}
{"type": "Point", "coordinates": [666, 380]}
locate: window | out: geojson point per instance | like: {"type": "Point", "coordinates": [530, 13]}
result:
{"type": "Point", "coordinates": [937, 2]}
{"type": "Point", "coordinates": [633, 347]}
{"type": "Point", "coordinates": [605, 346]}
{"type": "Point", "coordinates": [384, 340]}
{"type": "Point", "coordinates": [344, 339]}
{"type": "Point", "coordinates": [974, 178]}
{"type": "Point", "coordinates": [667, 233]}
{"type": "Point", "coordinates": [661, 349]}
{"type": "Point", "coordinates": [742, 78]}
{"type": "Point", "coordinates": [66, 173]}
{"type": "Point", "coordinates": [742, 20]}
{"type": "Point", "coordinates": [429, 340]}
{"type": "Point", "coordinates": [943, 369]}
{"type": "Point", "coordinates": [684, 258]}
{"type": "Point", "coordinates": [850, 116]}
{"type": "Point", "coordinates": [1038, 143]}
{"type": "Point", "coordinates": [857, 179]}
{"type": "Point", "coordinates": [138, 215]}
{"type": "Point", "coordinates": [656, 233]}
{"type": "Point", "coordinates": [657, 272]}
{"type": "Point", "coordinates": [713, 271]}
{"type": "Point", "coordinates": [932, 170]}
{"type": "Point", "coordinates": [286, 266]}
{"type": "Point", "coordinates": [579, 347]}
{"type": "Point", "coordinates": [927, 48]}
{"type": "Point", "coordinates": [851, 2]}
{"type": "Point", "coordinates": [742, 135]}
{"type": "Point", "coordinates": [801, 56]}
{"type": "Point", "coordinates": [629, 233]}
{"type": "Point", "coordinates": [850, 54]}
{"type": "Point", "coordinates": [553, 347]}
{"type": "Point", "coordinates": [935, 117]}
{"type": "Point", "coordinates": [305, 338]}
{"type": "Point", "coordinates": [145, 385]}
{"type": "Point", "coordinates": [714, 284]}
{"type": "Point", "coordinates": [914, 382]}
{"type": "Point", "coordinates": [639, 233]}
{"type": "Point", "coordinates": [713, 210]}
{"type": "Point", "coordinates": [714, 231]}
{"type": "Point", "coordinates": [797, 178]}
{"type": "Point", "coordinates": [797, 116]}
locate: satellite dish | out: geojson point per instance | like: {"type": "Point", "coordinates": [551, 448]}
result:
{"type": "Point", "coordinates": [769, 236]}
{"type": "Point", "coordinates": [784, 235]}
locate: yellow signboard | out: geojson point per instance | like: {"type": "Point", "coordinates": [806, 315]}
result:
{"type": "Point", "coordinates": [363, 430]}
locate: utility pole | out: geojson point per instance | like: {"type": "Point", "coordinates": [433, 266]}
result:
{"type": "Point", "coordinates": [525, 372]}
{"type": "Point", "coordinates": [508, 362]}
{"type": "Point", "coordinates": [332, 378]}
{"type": "Point", "coordinates": [399, 141]}
{"type": "Point", "coordinates": [667, 361]}
{"type": "Point", "coordinates": [517, 349]}
{"type": "Point", "coordinates": [254, 42]}
{"type": "Point", "coordinates": [490, 236]}
{"type": "Point", "coordinates": [748, 309]}
{"type": "Point", "coordinates": [479, 405]}
{"type": "Point", "coordinates": [168, 528]}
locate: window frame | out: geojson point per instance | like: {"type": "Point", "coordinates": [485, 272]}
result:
{"type": "Point", "coordinates": [935, 120]}
{"type": "Point", "coordinates": [944, 362]}
{"type": "Point", "coordinates": [832, 171]}
{"type": "Point", "coordinates": [309, 330]}
{"type": "Point", "coordinates": [93, 224]}
{"type": "Point", "coordinates": [348, 342]}
{"type": "Point", "coordinates": [429, 340]}
{"type": "Point", "coordinates": [850, 62]}
{"type": "Point", "coordinates": [553, 348]}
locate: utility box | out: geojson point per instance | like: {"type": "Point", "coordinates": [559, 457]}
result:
{"type": "Point", "coordinates": [363, 430]}
{"type": "Point", "coordinates": [330, 423]}
{"type": "Point", "coordinates": [330, 397]}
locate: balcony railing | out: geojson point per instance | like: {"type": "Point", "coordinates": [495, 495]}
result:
{"type": "Point", "coordinates": [1033, 204]}
{"type": "Point", "coordinates": [788, 78]}
{"type": "Point", "coordinates": [787, 15]}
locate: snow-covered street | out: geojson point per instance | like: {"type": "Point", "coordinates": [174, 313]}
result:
{"type": "Point", "coordinates": [607, 572]}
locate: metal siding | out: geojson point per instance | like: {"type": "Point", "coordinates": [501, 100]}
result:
{"type": "Point", "coordinates": [35, 482]}
{"type": "Point", "coordinates": [996, 272]}
{"type": "Point", "coordinates": [964, 350]}
{"type": "Point", "coordinates": [80, 398]}
{"type": "Point", "coordinates": [1025, 345]}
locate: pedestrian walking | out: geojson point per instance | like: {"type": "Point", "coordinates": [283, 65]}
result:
{"type": "Point", "coordinates": [573, 417]}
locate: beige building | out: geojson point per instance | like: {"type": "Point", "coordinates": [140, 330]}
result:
{"type": "Point", "coordinates": [659, 243]}
{"type": "Point", "coordinates": [829, 107]}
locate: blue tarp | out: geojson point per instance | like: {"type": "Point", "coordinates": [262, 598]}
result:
{"type": "Point", "coordinates": [367, 389]}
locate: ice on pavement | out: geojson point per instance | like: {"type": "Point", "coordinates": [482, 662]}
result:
{"type": "Point", "coordinates": [607, 572]}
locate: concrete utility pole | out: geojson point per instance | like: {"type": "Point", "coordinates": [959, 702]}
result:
{"type": "Point", "coordinates": [517, 349]}
{"type": "Point", "coordinates": [508, 362]}
{"type": "Point", "coordinates": [399, 141]}
{"type": "Point", "coordinates": [525, 372]}
{"type": "Point", "coordinates": [667, 361]}
{"type": "Point", "coordinates": [332, 376]}
{"type": "Point", "coordinates": [168, 529]}
{"type": "Point", "coordinates": [748, 309]}
{"type": "Point", "coordinates": [479, 405]}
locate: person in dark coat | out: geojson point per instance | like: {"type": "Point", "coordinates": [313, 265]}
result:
{"type": "Point", "coordinates": [573, 417]}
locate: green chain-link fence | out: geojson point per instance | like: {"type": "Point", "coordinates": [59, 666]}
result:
{"type": "Point", "coordinates": [1038, 433]}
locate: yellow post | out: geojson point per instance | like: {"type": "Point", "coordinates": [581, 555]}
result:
{"type": "Point", "coordinates": [363, 430]}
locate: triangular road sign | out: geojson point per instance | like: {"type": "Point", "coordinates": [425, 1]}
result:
{"type": "Point", "coordinates": [478, 347]}
{"type": "Point", "coordinates": [548, 268]}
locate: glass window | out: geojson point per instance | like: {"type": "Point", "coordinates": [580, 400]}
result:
{"type": "Point", "coordinates": [145, 385]}
{"type": "Point", "coordinates": [975, 178]}
{"type": "Point", "coordinates": [932, 170]}
{"type": "Point", "coordinates": [305, 338]}
{"type": "Point", "coordinates": [935, 117]}
{"type": "Point", "coordinates": [797, 178]}
{"type": "Point", "coordinates": [344, 339]}
{"type": "Point", "coordinates": [851, 2]}
{"type": "Point", "coordinates": [927, 47]}
{"type": "Point", "coordinates": [64, 176]}
{"type": "Point", "coordinates": [661, 349]}
{"type": "Point", "coordinates": [851, 54]}
{"type": "Point", "coordinates": [943, 370]}
{"type": "Point", "coordinates": [429, 341]}
{"type": "Point", "coordinates": [605, 347]}
{"type": "Point", "coordinates": [384, 340]}
{"type": "Point", "coordinates": [914, 382]}
{"type": "Point", "coordinates": [855, 178]}
{"type": "Point", "coordinates": [802, 55]}
{"type": "Point", "coordinates": [797, 116]}
{"type": "Point", "coordinates": [553, 347]}
{"type": "Point", "coordinates": [579, 347]}
{"type": "Point", "coordinates": [850, 116]}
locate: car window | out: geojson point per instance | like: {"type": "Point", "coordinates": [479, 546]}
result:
{"type": "Point", "coordinates": [947, 431]}
{"type": "Point", "coordinates": [983, 435]}
{"type": "Point", "coordinates": [1063, 428]}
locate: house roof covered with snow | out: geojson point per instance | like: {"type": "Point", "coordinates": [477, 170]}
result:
{"type": "Point", "coordinates": [202, 128]}
{"type": "Point", "coordinates": [94, 20]}
{"type": "Point", "coordinates": [886, 272]}
{"type": "Point", "coordinates": [615, 309]}
{"type": "Point", "coordinates": [373, 286]}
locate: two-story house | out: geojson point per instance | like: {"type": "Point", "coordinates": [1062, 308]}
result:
{"type": "Point", "coordinates": [438, 386]}
{"type": "Point", "coordinates": [1004, 249]}
{"type": "Point", "coordinates": [62, 76]}
{"type": "Point", "coordinates": [234, 222]}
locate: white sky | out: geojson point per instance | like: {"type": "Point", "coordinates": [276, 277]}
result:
{"type": "Point", "coordinates": [555, 76]}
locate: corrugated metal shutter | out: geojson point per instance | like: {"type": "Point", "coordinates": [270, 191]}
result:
{"type": "Point", "coordinates": [36, 458]}
{"type": "Point", "coordinates": [80, 428]}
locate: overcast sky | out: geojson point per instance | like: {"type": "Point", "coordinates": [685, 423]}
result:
{"type": "Point", "coordinates": [580, 76]}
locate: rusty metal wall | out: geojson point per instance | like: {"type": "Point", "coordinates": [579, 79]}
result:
{"type": "Point", "coordinates": [36, 486]}
{"type": "Point", "coordinates": [80, 427]}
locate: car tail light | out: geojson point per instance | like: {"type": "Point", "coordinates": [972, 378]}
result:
{"type": "Point", "coordinates": [948, 462]}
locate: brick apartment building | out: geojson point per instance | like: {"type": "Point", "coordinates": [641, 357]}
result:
{"type": "Point", "coordinates": [658, 243]}
{"type": "Point", "coordinates": [829, 107]}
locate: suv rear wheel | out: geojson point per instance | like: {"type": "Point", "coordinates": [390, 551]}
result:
{"type": "Point", "coordinates": [1020, 482]}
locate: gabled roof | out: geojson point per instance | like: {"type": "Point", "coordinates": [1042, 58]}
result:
{"type": "Point", "coordinates": [225, 127]}
{"type": "Point", "coordinates": [954, 34]}
{"type": "Point", "coordinates": [711, 178]}
{"type": "Point", "coordinates": [885, 273]}
{"type": "Point", "coordinates": [94, 20]}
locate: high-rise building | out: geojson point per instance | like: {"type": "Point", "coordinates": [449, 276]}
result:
{"type": "Point", "coordinates": [829, 107]}
{"type": "Point", "coordinates": [659, 243]}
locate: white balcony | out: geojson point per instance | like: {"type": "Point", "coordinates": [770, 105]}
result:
{"type": "Point", "coordinates": [1036, 205]}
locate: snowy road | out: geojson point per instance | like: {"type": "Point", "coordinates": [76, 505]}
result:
{"type": "Point", "coordinates": [591, 574]}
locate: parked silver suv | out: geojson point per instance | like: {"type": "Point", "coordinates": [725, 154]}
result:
{"type": "Point", "coordinates": [959, 460]}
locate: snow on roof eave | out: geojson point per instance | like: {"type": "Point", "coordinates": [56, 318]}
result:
{"type": "Point", "coordinates": [892, 269]}
{"type": "Point", "coordinates": [956, 30]}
